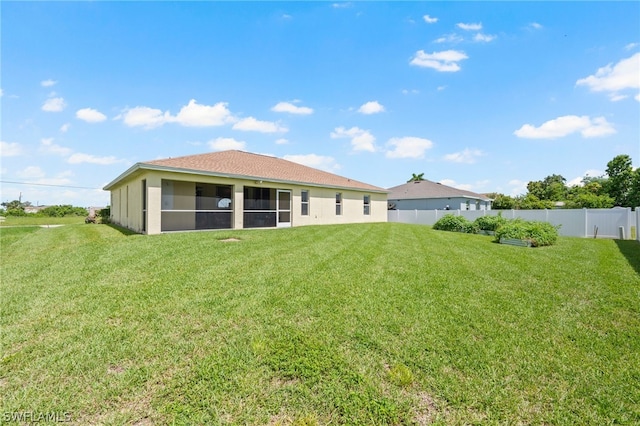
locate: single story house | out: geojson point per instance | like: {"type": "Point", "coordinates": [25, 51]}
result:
{"type": "Point", "coordinates": [236, 190]}
{"type": "Point", "coordinates": [428, 195]}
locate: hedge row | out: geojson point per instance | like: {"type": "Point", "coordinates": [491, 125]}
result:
{"type": "Point", "coordinates": [538, 233]}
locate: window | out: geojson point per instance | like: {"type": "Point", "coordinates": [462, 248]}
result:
{"type": "Point", "coordinates": [260, 209]}
{"type": "Point", "coordinates": [195, 205]}
{"type": "Point", "coordinates": [144, 205]}
{"type": "Point", "coordinates": [338, 203]}
{"type": "Point", "coordinates": [367, 205]}
{"type": "Point", "coordinates": [304, 203]}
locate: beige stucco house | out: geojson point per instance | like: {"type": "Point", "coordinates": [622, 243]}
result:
{"type": "Point", "coordinates": [236, 190]}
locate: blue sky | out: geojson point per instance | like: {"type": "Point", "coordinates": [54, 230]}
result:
{"type": "Point", "coordinates": [482, 96]}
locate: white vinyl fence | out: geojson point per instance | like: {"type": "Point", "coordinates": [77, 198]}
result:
{"type": "Point", "coordinates": [599, 223]}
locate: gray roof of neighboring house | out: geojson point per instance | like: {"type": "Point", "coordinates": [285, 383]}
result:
{"type": "Point", "coordinates": [246, 165]}
{"type": "Point", "coordinates": [422, 189]}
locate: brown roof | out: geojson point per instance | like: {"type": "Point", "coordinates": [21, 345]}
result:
{"type": "Point", "coordinates": [242, 164]}
{"type": "Point", "coordinates": [428, 189]}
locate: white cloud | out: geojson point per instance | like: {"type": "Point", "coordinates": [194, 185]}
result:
{"type": "Point", "coordinates": [65, 127]}
{"type": "Point", "coordinates": [615, 78]}
{"type": "Point", "coordinates": [145, 117]}
{"type": "Point", "coordinates": [341, 5]}
{"type": "Point", "coordinates": [468, 156]}
{"type": "Point", "coordinates": [54, 105]}
{"type": "Point", "coordinates": [60, 180]}
{"type": "Point", "coordinates": [371, 107]}
{"type": "Point", "coordinates": [282, 141]}
{"type": "Point", "coordinates": [577, 181]}
{"type": "Point", "coordinates": [535, 26]}
{"type": "Point", "coordinates": [196, 115]}
{"type": "Point", "coordinates": [48, 147]}
{"type": "Point", "coordinates": [291, 108]}
{"type": "Point", "coordinates": [361, 140]}
{"type": "Point", "coordinates": [224, 144]}
{"type": "Point", "coordinates": [79, 158]}
{"type": "Point", "coordinates": [566, 125]}
{"type": "Point", "coordinates": [617, 97]}
{"type": "Point", "coordinates": [410, 92]}
{"type": "Point", "coordinates": [48, 83]}
{"type": "Point", "coordinates": [10, 149]}
{"type": "Point", "coordinates": [445, 61]}
{"type": "Point", "coordinates": [452, 183]}
{"type": "Point", "coordinates": [517, 187]}
{"type": "Point", "coordinates": [408, 147]}
{"type": "Point", "coordinates": [250, 124]}
{"type": "Point", "coordinates": [90, 115]}
{"type": "Point", "coordinates": [631, 46]}
{"type": "Point", "coordinates": [31, 172]}
{"type": "Point", "coordinates": [469, 27]}
{"type": "Point", "coordinates": [321, 162]}
{"type": "Point", "coordinates": [637, 97]}
{"type": "Point", "coordinates": [484, 38]}
{"type": "Point", "coordinates": [286, 16]}
{"type": "Point", "coordinates": [429, 20]}
{"type": "Point", "coordinates": [1, 93]}
{"type": "Point", "coordinates": [449, 38]}
{"type": "Point", "coordinates": [190, 115]}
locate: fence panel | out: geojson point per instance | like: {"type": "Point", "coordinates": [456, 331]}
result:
{"type": "Point", "coordinates": [608, 222]}
{"type": "Point", "coordinates": [572, 222]}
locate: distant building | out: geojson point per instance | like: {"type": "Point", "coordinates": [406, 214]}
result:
{"type": "Point", "coordinates": [428, 195]}
{"type": "Point", "coordinates": [34, 209]}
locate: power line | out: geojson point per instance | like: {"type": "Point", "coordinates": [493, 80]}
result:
{"type": "Point", "coordinates": [47, 184]}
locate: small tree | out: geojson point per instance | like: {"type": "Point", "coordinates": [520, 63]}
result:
{"type": "Point", "coordinates": [416, 177]}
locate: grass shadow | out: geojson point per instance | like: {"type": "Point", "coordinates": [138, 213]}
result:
{"type": "Point", "coordinates": [124, 231]}
{"type": "Point", "coordinates": [630, 249]}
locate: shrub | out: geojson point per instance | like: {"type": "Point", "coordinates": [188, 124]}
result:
{"type": "Point", "coordinates": [105, 215]}
{"type": "Point", "coordinates": [63, 210]}
{"type": "Point", "coordinates": [490, 223]}
{"type": "Point", "coordinates": [16, 212]}
{"type": "Point", "coordinates": [453, 223]}
{"type": "Point", "coordinates": [538, 233]}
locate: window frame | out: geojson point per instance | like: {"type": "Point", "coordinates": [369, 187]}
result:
{"type": "Point", "coordinates": [304, 203]}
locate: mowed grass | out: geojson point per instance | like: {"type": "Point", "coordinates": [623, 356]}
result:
{"type": "Point", "coordinates": [32, 220]}
{"type": "Point", "coordinates": [354, 324]}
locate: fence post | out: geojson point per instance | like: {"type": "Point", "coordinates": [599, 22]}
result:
{"type": "Point", "coordinates": [586, 224]}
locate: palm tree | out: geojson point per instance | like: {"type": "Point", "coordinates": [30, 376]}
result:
{"type": "Point", "coordinates": [415, 177]}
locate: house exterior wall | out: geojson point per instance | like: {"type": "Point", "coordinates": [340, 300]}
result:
{"type": "Point", "coordinates": [126, 204]}
{"type": "Point", "coordinates": [127, 201]}
{"type": "Point", "coordinates": [454, 203]}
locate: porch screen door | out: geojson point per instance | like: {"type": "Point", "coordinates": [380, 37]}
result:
{"type": "Point", "coordinates": [284, 209]}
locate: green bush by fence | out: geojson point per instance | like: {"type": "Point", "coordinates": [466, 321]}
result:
{"type": "Point", "coordinates": [538, 233]}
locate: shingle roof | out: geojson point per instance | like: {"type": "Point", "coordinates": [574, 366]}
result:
{"type": "Point", "coordinates": [428, 189]}
{"type": "Point", "coordinates": [242, 164]}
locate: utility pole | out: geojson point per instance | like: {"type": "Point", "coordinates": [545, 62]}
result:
{"type": "Point", "coordinates": [20, 198]}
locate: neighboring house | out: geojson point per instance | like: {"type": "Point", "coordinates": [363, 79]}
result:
{"type": "Point", "coordinates": [34, 209]}
{"type": "Point", "coordinates": [427, 195]}
{"type": "Point", "coordinates": [236, 190]}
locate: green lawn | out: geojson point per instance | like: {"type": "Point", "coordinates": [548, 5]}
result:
{"type": "Point", "coordinates": [32, 220]}
{"type": "Point", "coordinates": [353, 324]}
